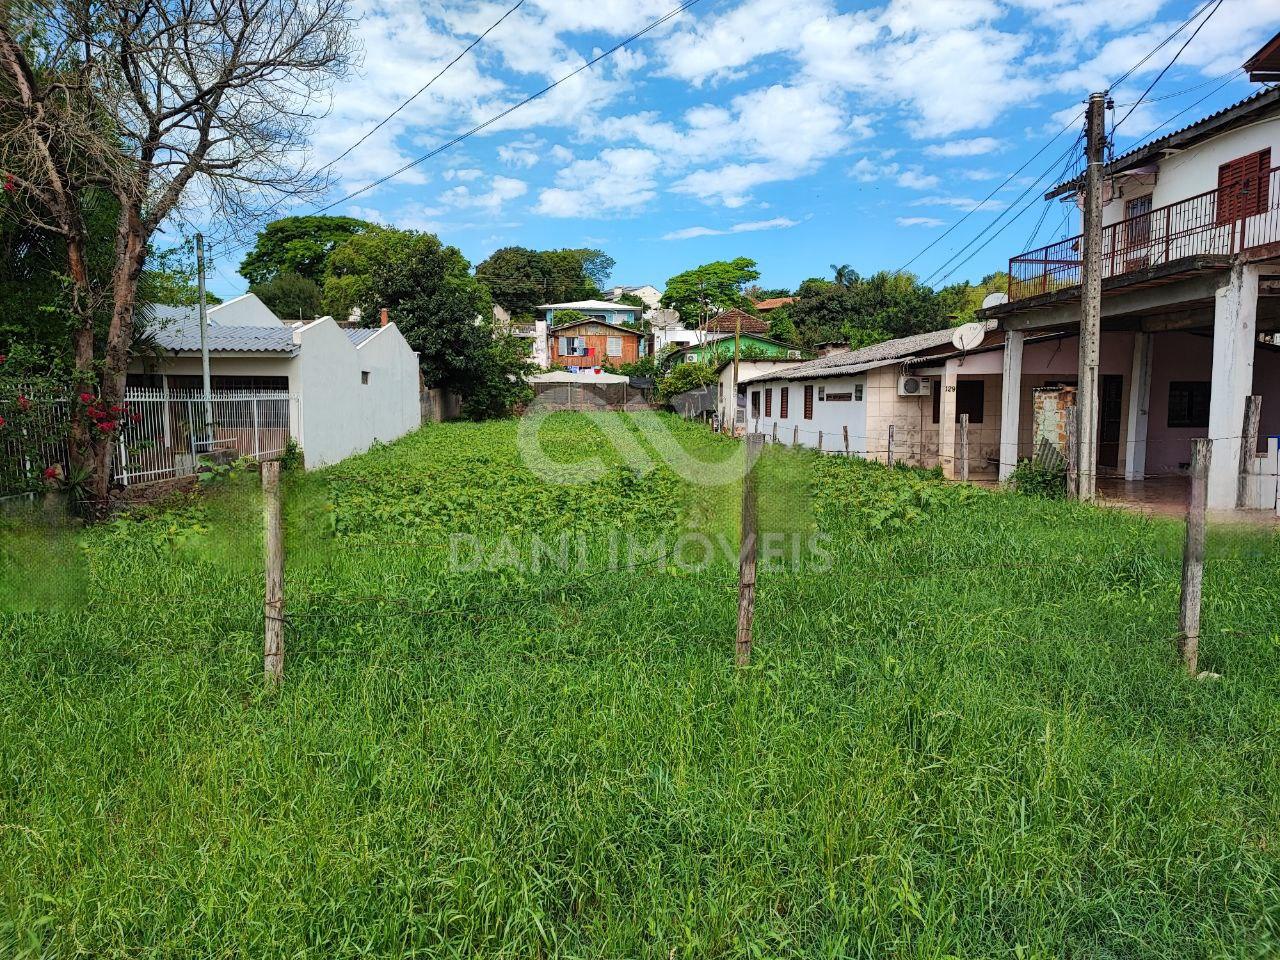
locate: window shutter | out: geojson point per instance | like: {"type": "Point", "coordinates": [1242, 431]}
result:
{"type": "Point", "coordinates": [782, 402]}
{"type": "Point", "coordinates": [768, 401]}
{"type": "Point", "coordinates": [1244, 186]}
{"type": "Point", "coordinates": [755, 403]}
{"type": "Point", "coordinates": [564, 346]}
{"type": "Point", "coordinates": [808, 401]}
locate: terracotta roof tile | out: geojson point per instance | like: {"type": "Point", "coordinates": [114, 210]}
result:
{"type": "Point", "coordinates": [728, 321]}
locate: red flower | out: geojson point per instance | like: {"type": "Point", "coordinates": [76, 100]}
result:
{"type": "Point", "coordinates": [24, 403]}
{"type": "Point", "coordinates": [3, 357]}
{"type": "Point", "coordinates": [135, 417]}
{"type": "Point", "coordinates": [86, 398]}
{"type": "Point", "coordinates": [51, 473]}
{"type": "Point", "coordinates": [106, 426]}
{"type": "Point", "coordinates": [116, 408]}
{"type": "Point", "coordinates": [9, 184]}
{"type": "Point", "coordinates": [1, 421]}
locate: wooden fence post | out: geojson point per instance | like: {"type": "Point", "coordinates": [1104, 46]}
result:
{"type": "Point", "coordinates": [1248, 448]}
{"type": "Point", "coordinates": [273, 605]}
{"type": "Point", "coordinates": [747, 555]}
{"type": "Point", "coordinates": [795, 436]}
{"type": "Point", "coordinates": [846, 439]}
{"type": "Point", "coordinates": [819, 441]}
{"type": "Point", "coordinates": [889, 459]}
{"type": "Point", "coordinates": [964, 448]}
{"type": "Point", "coordinates": [1193, 557]}
{"type": "Point", "coordinates": [1073, 451]}
{"type": "Point", "coordinates": [775, 431]}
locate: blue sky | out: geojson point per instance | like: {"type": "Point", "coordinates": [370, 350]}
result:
{"type": "Point", "coordinates": [800, 133]}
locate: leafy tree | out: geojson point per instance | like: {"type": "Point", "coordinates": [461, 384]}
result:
{"type": "Point", "coordinates": [519, 279]}
{"type": "Point", "coordinates": [781, 327]}
{"type": "Point", "coordinates": [756, 293]}
{"type": "Point", "coordinates": [499, 382]}
{"type": "Point", "coordinates": [631, 300]}
{"type": "Point", "coordinates": [569, 316]}
{"type": "Point", "coordinates": [290, 296]}
{"type": "Point", "coordinates": [961, 301]}
{"type": "Point", "coordinates": [845, 275]}
{"type": "Point", "coordinates": [701, 293]}
{"type": "Point", "coordinates": [348, 272]}
{"type": "Point", "coordinates": [865, 310]}
{"type": "Point", "coordinates": [297, 245]}
{"type": "Point", "coordinates": [685, 376]}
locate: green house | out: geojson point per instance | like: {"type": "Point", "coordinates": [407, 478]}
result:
{"type": "Point", "coordinates": [718, 347]}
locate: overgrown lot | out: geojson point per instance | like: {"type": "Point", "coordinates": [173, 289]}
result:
{"type": "Point", "coordinates": [969, 737]}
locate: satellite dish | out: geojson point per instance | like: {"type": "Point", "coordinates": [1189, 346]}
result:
{"type": "Point", "coordinates": [994, 300]}
{"type": "Point", "coordinates": [970, 335]}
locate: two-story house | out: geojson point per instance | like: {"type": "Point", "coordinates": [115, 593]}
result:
{"type": "Point", "coordinates": [1190, 283]}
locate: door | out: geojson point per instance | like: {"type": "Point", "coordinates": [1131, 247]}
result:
{"type": "Point", "coordinates": [1111, 389]}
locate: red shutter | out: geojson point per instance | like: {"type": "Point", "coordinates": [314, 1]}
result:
{"type": "Point", "coordinates": [1244, 186]}
{"type": "Point", "coordinates": [808, 401]}
{"type": "Point", "coordinates": [782, 403]}
{"type": "Point", "coordinates": [768, 401]}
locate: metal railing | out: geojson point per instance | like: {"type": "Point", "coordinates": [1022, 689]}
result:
{"type": "Point", "coordinates": [167, 431]}
{"type": "Point", "coordinates": [1198, 226]}
{"type": "Point", "coordinates": [162, 434]}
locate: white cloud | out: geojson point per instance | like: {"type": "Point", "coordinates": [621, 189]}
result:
{"type": "Point", "coordinates": [618, 179]}
{"type": "Point", "coordinates": [463, 176]}
{"type": "Point", "coordinates": [501, 189]}
{"type": "Point", "coordinates": [974, 147]}
{"type": "Point", "coordinates": [721, 46]}
{"type": "Point", "coordinates": [915, 178]}
{"type": "Point", "coordinates": [959, 203]}
{"type": "Point", "coordinates": [688, 233]}
{"type": "Point", "coordinates": [525, 152]}
{"type": "Point", "coordinates": [920, 222]}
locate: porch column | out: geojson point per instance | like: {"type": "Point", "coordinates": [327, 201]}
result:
{"type": "Point", "coordinates": [1135, 456]}
{"type": "Point", "coordinates": [1235, 335]}
{"type": "Point", "coordinates": [1010, 402]}
{"type": "Point", "coordinates": [947, 421]}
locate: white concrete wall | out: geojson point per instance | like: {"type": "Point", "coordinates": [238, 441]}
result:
{"type": "Point", "coordinates": [829, 416]}
{"type": "Point", "coordinates": [391, 404]}
{"type": "Point", "coordinates": [747, 370]}
{"type": "Point", "coordinates": [244, 311]}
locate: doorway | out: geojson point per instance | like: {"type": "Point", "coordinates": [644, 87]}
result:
{"type": "Point", "coordinates": [1110, 402]}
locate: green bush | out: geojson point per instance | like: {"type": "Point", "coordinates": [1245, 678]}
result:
{"type": "Point", "coordinates": [1037, 480]}
{"type": "Point", "coordinates": [685, 376]}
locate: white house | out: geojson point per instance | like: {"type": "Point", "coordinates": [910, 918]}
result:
{"type": "Point", "coordinates": [649, 294]}
{"type": "Point", "coordinates": [731, 404]}
{"type": "Point", "coordinates": [349, 387]}
{"type": "Point", "coordinates": [1190, 257]}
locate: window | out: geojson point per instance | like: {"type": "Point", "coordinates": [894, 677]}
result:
{"type": "Point", "coordinates": [1137, 216]}
{"type": "Point", "coordinates": [784, 395]}
{"type": "Point", "coordinates": [768, 401]}
{"type": "Point", "coordinates": [857, 392]}
{"type": "Point", "coordinates": [822, 393]}
{"type": "Point", "coordinates": [1243, 185]}
{"type": "Point", "coordinates": [364, 377]}
{"type": "Point", "coordinates": [614, 346]}
{"type": "Point", "coordinates": [755, 403]}
{"type": "Point", "coordinates": [808, 401]}
{"type": "Point", "coordinates": [1189, 403]}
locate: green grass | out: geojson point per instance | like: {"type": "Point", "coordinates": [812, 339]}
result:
{"type": "Point", "coordinates": [969, 738]}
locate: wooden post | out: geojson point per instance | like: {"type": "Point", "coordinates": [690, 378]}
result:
{"type": "Point", "coordinates": [795, 436]}
{"type": "Point", "coordinates": [963, 472]}
{"type": "Point", "coordinates": [1193, 556]}
{"type": "Point", "coordinates": [273, 606]}
{"type": "Point", "coordinates": [846, 439]}
{"type": "Point", "coordinates": [819, 441]}
{"type": "Point", "coordinates": [747, 555]}
{"type": "Point", "coordinates": [1248, 448]}
{"type": "Point", "coordinates": [889, 460]}
{"type": "Point", "coordinates": [775, 431]}
{"type": "Point", "coordinates": [1073, 451]}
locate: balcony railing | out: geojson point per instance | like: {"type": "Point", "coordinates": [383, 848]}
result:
{"type": "Point", "coordinates": [1203, 225]}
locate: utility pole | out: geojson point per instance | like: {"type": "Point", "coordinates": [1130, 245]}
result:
{"type": "Point", "coordinates": [1091, 298]}
{"type": "Point", "coordinates": [204, 346]}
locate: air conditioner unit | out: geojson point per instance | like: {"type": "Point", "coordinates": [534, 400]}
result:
{"type": "Point", "coordinates": [915, 387]}
{"type": "Point", "coordinates": [793, 354]}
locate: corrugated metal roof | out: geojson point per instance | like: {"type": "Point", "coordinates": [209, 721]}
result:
{"type": "Point", "coordinates": [359, 335]}
{"type": "Point", "coordinates": [858, 361]}
{"type": "Point", "coordinates": [584, 305]}
{"type": "Point", "coordinates": [1256, 102]}
{"type": "Point", "coordinates": [178, 329]}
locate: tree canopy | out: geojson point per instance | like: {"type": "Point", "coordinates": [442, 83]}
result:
{"type": "Point", "coordinates": [865, 310]}
{"type": "Point", "coordinates": [290, 296]}
{"type": "Point", "coordinates": [519, 279]}
{"type": "Point", "coordinates": [962, 301]}
{"type": "Point", "coordinates": [701, 293]}
{"type": "Point", "coordinates": [297, 245]}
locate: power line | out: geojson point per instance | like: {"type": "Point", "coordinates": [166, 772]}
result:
{"type": "Point", "coordinates": [1167, 66]}
{"type": "Point", "coordinates": [1162, 44]}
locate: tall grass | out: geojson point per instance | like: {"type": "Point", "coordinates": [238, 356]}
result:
{"type": "Point", "coordinates": [970, 738]}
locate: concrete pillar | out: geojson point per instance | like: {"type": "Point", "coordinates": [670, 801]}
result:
{"type": "Point", "coordinates": [1010, 402]}
{"type": "Point", "coordinates": [1135, 455]}
{"type": "Point", "coordinates": [1235, 337]}
{"type": "Point", "coordinates": [947, 420]}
